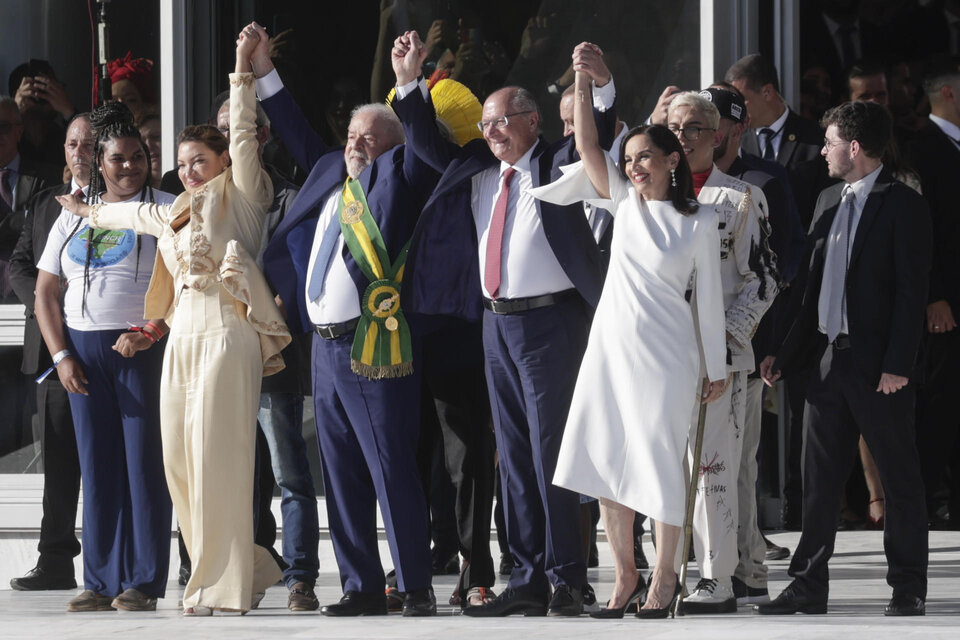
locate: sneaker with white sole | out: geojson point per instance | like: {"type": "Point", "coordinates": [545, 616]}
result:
{"type": "Point", "coordinates": [711, 596]}
{"type": "Point", "coordinates": [745, 594]}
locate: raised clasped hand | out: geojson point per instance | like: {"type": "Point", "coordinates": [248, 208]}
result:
{"type": "Point", "coordinates": [588, 58]}
{"type": "Point", "coordinates": [407, 57]}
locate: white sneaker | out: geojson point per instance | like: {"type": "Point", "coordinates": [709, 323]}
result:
{"type": "Point", "coordinates": [711, 596]}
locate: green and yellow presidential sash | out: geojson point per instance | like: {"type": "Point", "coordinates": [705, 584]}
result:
{"type": "Point", "coordinates": [381, 345]}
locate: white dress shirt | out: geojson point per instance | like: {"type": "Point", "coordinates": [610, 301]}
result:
{"type": "Point", "coordinates": [339, 301]}
{"type": "Point", "coordinates": [528, 266]}
{"type": "Point", "coordinates": [861, 191]}
{"type": "Point", "coordinates": [777, 137]}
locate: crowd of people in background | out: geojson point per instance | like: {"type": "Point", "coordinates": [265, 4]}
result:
{"type": "Point", "coordinates": [493, 325]}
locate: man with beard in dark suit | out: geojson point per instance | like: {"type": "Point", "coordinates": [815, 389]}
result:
{"type": "Point", "coordinates": [862, 317]}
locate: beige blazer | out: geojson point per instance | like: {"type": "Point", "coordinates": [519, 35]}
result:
{"type": "Point", "coordinates": [221, 236]}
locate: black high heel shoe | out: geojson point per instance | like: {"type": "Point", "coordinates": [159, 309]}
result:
{"type": "Point", "coordinates": [617, 612]}
{"type": "Point", "coordinates": [667, 611]}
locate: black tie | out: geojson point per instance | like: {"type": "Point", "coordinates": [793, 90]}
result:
{"type": "Point", "coordinates": [768, 153]}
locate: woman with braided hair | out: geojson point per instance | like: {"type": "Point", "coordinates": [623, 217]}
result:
{"type": "Point", "coordinates": [226, 332]}
{"type": "Point", "coordinates": [111, 369]}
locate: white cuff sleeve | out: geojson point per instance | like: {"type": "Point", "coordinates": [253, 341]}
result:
{"type": "Point", "coordinates": [269, 85]}
{"type": "Point", "coordinates": [603, 97]}
{"type": "Point", "coordinates": [407, 89]}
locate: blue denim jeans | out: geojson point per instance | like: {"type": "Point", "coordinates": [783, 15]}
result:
{"type": "Point", "coordinates": [281, 417]}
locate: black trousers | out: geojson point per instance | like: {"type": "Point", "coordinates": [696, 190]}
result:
{"type": "Point", "coordinates": [463, 429]}
{"type": "Point", "coordinates": [61, 479]}
{"type": "Point", "coordinates": [842, 404]}
{"type": "Point", "coordinates": [938, 422]}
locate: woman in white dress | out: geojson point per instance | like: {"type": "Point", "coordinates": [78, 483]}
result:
{"type": "Point", "coordinates": [626, 433]}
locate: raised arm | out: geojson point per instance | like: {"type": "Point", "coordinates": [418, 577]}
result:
{"type": "Point", "coordinates": [286, 119]}
{"type": "Point", "coordinates": [417, 172]}
{"type": "Point", "coordinates": [413, 105]}
{"type": "Point", "coordinates": [585, 62]}
{"type": "Point", "coordinates": [248, 173]}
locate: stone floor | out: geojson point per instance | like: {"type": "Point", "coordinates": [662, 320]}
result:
{"type": "Point", "coordinates": [858, 595]}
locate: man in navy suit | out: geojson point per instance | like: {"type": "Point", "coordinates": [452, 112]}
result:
{"type": "Point", "coordinates": [536, 269]}
{"type": "Point", "coordinates": [367, 428]}
{"type": "Point", "coordinates": [861, 320]}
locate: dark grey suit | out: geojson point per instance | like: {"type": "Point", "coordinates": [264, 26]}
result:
{"type": "Point", "coordinates": [886, 293]}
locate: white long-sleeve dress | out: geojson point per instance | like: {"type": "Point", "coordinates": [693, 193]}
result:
{"type": "Point", "coordinates": [626, 432]}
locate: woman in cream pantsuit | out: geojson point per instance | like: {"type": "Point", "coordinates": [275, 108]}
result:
{"type": "Point", "coordinates": [225, 333]}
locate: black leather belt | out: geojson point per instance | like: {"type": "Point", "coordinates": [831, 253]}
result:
{"type": "Point", "coordinates": [841, 342]}
{"type": "Point", "coordinates": [516, 305]}
{"type": "Point", "coordinates": [331, 331]}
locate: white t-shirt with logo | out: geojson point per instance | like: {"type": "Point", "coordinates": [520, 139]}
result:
{"type": "Point", "coordinates": [118, 276]}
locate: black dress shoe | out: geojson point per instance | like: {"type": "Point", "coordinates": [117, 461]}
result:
{"type": "Point", "coordinates": [509, 602]}
{"type": "Point", "coordinates": [506, 564]}
{"type": "Point", "coordinates": [902, 604]}
{"type": "Point", "coordinates": [40, 579]}
{"type": "Point", "coordinates": [793, 599]}
{"type": "Point", "coordinates": [357, 603]}
{"type": "Point", "coordinates": [567, 601]}
{"type": "Point", "coordinates": [420, 602]}
{"type": "Point", "coordinates": [617, 612]}
{"type": "Point", "coordinates": [183, 577]}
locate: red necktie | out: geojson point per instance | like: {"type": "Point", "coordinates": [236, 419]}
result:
{"type": "Point", "coordinates": [491, 271]}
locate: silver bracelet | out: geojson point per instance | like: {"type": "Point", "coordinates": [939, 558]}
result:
{"type": "Point", "coordinates": [60, 355]}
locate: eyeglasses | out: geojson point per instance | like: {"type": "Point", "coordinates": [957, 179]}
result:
{"type": "Point", "coordinates": [691, 134]}
{"type": "Point", "coordinates": [829, 144]}
{"type": "Point", "coordinates": [501, 122]}
{"type": "Point", "coordinates": [7, 127]}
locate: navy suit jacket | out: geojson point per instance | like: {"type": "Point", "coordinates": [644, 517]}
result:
{"type": "Point", "coordinates": [443, 272]}
{"type": "Point", "coordinates": [396, 185]}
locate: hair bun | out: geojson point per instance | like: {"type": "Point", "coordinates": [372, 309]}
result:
{"type": "Point", "coordinates": [110, 114]}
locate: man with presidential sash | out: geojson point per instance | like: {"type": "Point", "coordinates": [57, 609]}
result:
{"type": "Point", "coordinates": [337, 262]}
